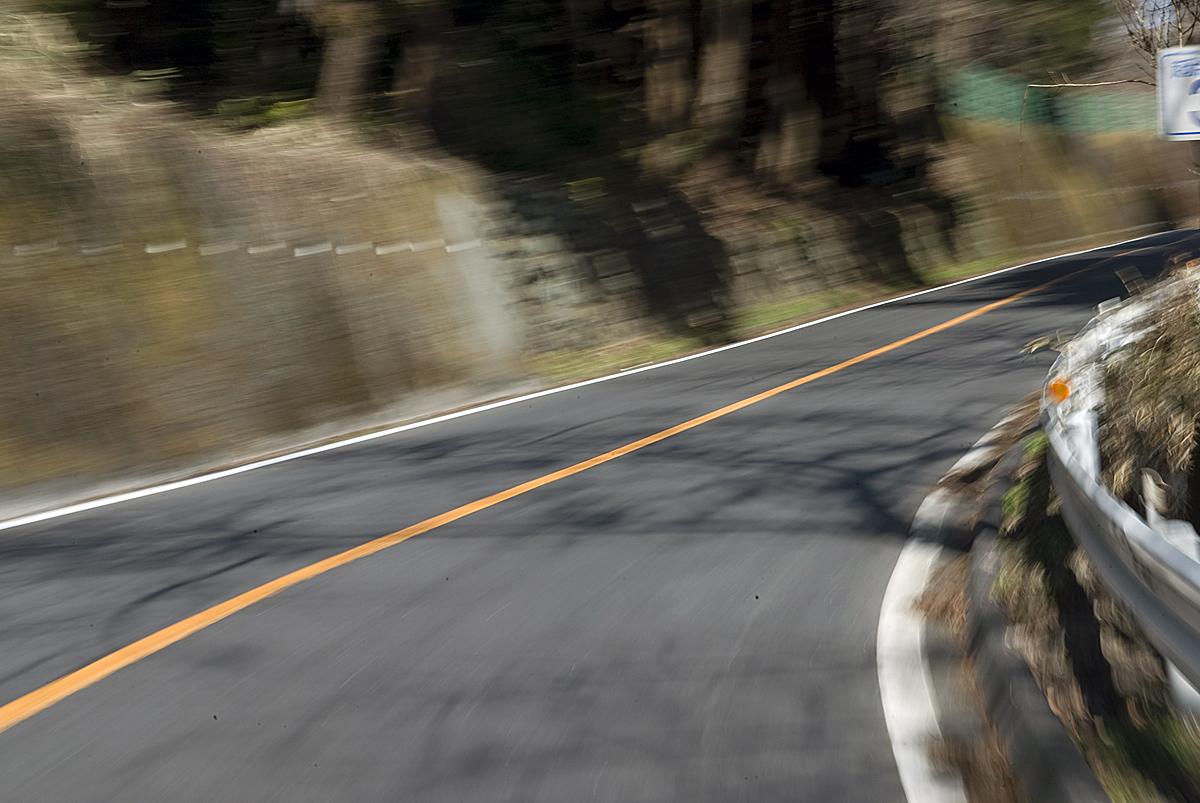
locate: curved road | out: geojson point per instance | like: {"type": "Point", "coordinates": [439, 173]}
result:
{"type": "Point", "coordinates": [692, 620]}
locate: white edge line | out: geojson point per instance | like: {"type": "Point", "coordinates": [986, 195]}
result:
{"type": "Point", "coordinates": [905, 688]}
{"type": "Point", "coordinates": [115, 499]}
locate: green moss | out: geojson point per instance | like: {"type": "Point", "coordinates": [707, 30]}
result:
{"type": "Point", "coordinates": [567, 366]}
{"type": "Point", "coordinates": [288, 110]}
{"type": "Point", "coordinates": [756, 319]}
{"type": "Point", "coordinates": [953, 271]}
{"type": "Point", "coordinates": [1164, 746]}
{"type": "Point", "coordinates": [258, 112]}
{"type": "Point", "coordinates": [1034, 445]}
{"type": "Point", "coordinates": [1016, 500]}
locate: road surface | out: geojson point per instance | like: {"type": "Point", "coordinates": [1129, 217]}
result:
{"type": "Point", "coordinates": [692, 620]}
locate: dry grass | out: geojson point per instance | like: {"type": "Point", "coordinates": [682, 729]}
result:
{"type": "Point", "coordinates": [1034, 185]}
{"type": "Point", "coordinates": [1152, 399]}
{"type": "Point", "coordinates": [944, 599]}
{"type": "Point", "coordinates": [969, 481]}
{"type": "Point", "coordinates": [981, 761]}
{"type": "Point", "coordinates": [1100, 676]}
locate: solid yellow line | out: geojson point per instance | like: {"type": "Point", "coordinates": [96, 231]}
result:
{"type": "Point", "coordinates": [42, 698]}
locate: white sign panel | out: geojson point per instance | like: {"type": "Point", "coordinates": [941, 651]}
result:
{"type": "Point", "coordinates": [1179, 92]}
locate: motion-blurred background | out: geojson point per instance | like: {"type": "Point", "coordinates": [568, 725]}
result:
{"type": "Point", "coordinates": [229, 226]}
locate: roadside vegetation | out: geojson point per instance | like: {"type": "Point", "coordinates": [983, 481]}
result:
{"type": "Point", "coordinates": [979, 757]}
{"type": "Point", "coordinates": [1100, 676]}
{"type": "Point", "coordinates": [1152, 402]}
{"type": "Point", "coordinates": [225, 221]}
{"type": "Point", "coordinates": [755, 318]}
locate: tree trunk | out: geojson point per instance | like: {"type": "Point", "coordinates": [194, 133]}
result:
{"type": "Point", "coordinates": [351, 42]}
{"type": "Point", "coordinates": [785, 147]}
{"type": "Point", "coordinates": [724, 69]}
{"type": "Point", "coordinates": [417, 72]}
{"type": "Point", "coordinates": [820, 59]}
{"type": "Point", "coordinates": [415, 78]}
{"type": "Point", "coordinates": [862, 61]}
{"type": "Point", "coordinates": [344, 70]}
{"type": "Point", "coordinates": [668, 65]}
{"type": "Point", "coordinates": [589, 36]}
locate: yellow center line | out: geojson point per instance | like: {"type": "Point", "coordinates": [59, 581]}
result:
{"type": "Point", "coordinates": [40, 699]}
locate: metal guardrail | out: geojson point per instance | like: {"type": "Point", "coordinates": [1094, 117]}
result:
{"type": "Point", "coordinates": [1139, 562]}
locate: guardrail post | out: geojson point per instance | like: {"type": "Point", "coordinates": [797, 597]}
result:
{"type": "Point", "coordinates": [1085, 441]}
{"type": "Point", "coordinates": [1185, 695]}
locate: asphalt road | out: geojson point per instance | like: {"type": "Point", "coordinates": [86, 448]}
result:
{"type": "Point", "coordinates": [692, 621]}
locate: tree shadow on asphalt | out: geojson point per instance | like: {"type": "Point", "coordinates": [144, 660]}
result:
{"type": "Point", "coordinates": [1098, 284]}
{"type": "Point", "coordinates": [123, 571]}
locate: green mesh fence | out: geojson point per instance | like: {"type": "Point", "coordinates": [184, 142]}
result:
{"type": "Point", "coordinates": [982, 94]}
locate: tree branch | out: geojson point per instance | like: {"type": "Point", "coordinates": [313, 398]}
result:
{"type": "Point", "coordinates": [1092, 83]}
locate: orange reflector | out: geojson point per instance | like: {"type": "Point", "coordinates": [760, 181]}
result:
{"type": "Point", "coordinates": [1058, 390]}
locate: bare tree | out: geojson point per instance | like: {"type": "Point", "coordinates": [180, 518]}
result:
{"type": "Point", "coordinates": [350, 29]}
{"type": "Point", "coordinates": [669, 87]}
{"type": "Point", "coordinates": [1155, 24]}
{"type": "Point", "coordinates": [724, 65]}
{"type": "Point", "coordinates": [792, 118]}
{"type": "Point", "coordinates": [417, 70]}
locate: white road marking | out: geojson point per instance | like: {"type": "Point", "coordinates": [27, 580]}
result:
{"type": "Point", "coordinates": [33, 249]}
{"type": "Point", "coordinates": [140, 493]}
{"type": "Point", "coordinates": [266, 249]}
{"type": "Point", "coordinates": [312, 250]}
{"type": "Point", "coordinates": [904, 684]}
{"type": "Point", "coordinates": [97, 250]}
{"type": "Point", "coordinates": [163, 248]}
